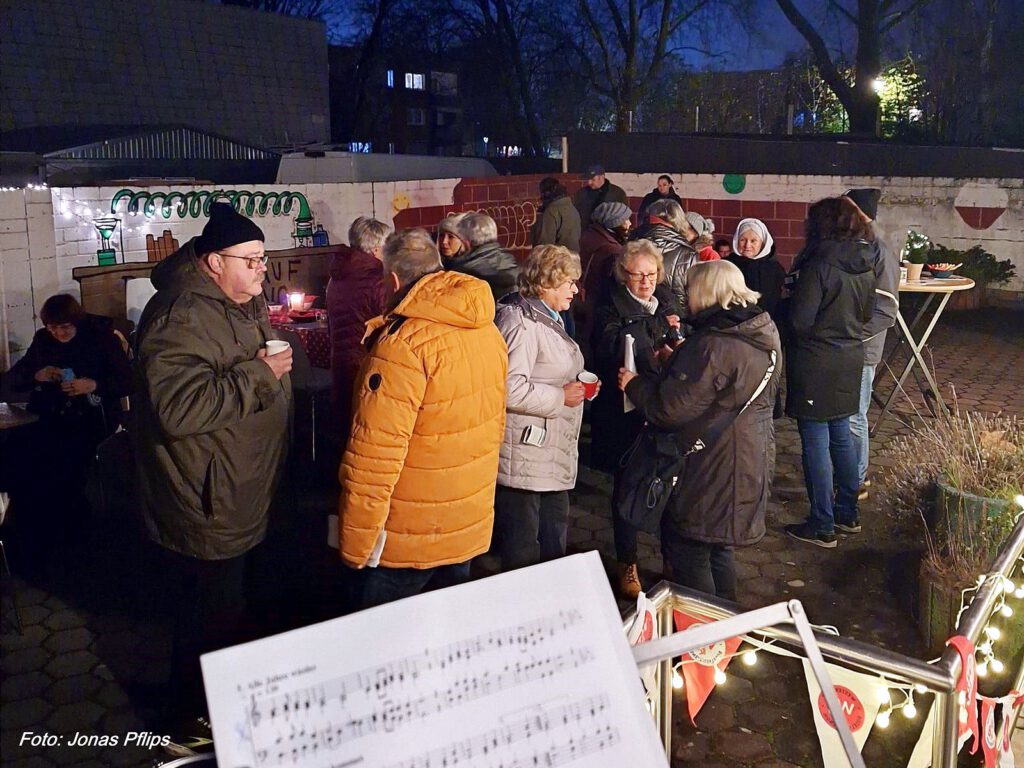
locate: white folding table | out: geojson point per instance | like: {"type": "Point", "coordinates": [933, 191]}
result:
{"type": "Point", "coordinates": [934, 287]}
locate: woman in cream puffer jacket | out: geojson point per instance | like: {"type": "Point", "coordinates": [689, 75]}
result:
{"type": "Point", "coordinates": [538, 459]}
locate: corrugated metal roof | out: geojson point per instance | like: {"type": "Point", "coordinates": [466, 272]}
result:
{"type": "Point", "coordinates": [170, 143]}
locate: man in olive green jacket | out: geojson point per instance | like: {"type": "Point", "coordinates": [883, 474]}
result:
{"type": "Point", "coordinates": [211, 422]}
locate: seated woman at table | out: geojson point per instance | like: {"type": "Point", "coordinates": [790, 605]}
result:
{"type": "Point", "coordinates": [833, 298]}
{"type": "Point", "coordinates": [76, 371]}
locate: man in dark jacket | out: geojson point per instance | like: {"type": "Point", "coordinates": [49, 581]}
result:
{"type": "Point", "coordinates": [355, 294]}
{"type": "Point", "coordinates": [663, 191]}
{"type": "Point", "coordinates": [597, 190]}
{"type": "Point", "coordinates": [211, 423]}
{"type": "Point", "coordinates": [486, 260]}
{"type": "Point", "coordinates": [887, 306]}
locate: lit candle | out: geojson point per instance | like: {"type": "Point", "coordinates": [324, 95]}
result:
{"type": "Point", "coordinates": [296, 300]}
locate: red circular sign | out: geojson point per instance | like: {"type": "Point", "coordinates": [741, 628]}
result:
{"type": "Point", "coordinates": [853, 710]}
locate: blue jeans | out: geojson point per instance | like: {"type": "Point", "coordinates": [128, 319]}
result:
{"type": "Point", "coordinates": [385, 585]}
{"type": "Point", "coordinates": [859, 422]}
{"type": "Point", "coordinates": [830, 462]}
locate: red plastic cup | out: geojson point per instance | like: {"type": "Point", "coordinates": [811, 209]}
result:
{"type": "Point", "coordinates": [589, 381]}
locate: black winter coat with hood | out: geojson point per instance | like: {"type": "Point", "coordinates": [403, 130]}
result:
{"type": "Point", "coordinates": [723, 489]}
{"type": "Point", "coordinates": [833, 298]}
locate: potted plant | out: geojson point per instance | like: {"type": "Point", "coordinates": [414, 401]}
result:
{"type": "Point", "coordinates": [915, 253]}
{"type": "Point", "coordinates": [980, 266]}
{"type": "Point", "coordinates": [958, 475]}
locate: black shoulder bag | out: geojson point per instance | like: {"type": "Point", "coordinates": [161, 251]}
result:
{"type": "Point", "coordinates": [650, 467]}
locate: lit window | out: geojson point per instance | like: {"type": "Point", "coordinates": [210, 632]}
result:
{"type": "Point", "coordinates": [414, 81]}
{"type": "Point", "coordinates": [391, 78]}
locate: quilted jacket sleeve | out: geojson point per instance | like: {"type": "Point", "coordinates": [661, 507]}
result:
{"type": "Point", "coordinates": [525, 396]}
{"type": "Point", "coordinates": [392, 386]}
{"type": "Point", "coordinates": [682, 396]}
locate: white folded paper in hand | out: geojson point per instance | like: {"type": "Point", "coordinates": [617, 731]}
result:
{"type": "Point", "coordinates": [630, 365]}
{"type": "Point", "coordinates": [374, 560]}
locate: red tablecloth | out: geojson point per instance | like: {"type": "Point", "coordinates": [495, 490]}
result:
{"type": "Point", "coordinates": [314, 339]}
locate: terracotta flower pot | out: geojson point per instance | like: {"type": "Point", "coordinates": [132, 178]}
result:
{"type": "Point", "coordinates": [914, 272]}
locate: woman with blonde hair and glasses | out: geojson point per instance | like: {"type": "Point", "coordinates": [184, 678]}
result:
{"type": "Point", "coordinates": [715, 392]}
{"type": "Point", "coordinates": [639, 304]}
{"type": "Point", "coordinates": [544, 410]}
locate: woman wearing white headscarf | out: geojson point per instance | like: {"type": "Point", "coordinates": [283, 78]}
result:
{"type": "Point", "coordinates": [753, 251]}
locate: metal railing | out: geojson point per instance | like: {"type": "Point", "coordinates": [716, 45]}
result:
{"type": "Point", "coordinates": [939, 678]}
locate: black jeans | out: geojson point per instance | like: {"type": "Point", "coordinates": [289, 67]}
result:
{"type": "Point", "coordinates": [624, 531]}
{"type": "Point", "coordinates": [209, 601]}
{"type": "Point", "coordinates": [529, 526]}
{"type": "Point", "coordinates": [385, 585]}
{"type": "Point", "coordinates": [708, 568]}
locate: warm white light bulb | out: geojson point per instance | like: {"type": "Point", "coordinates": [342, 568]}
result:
{"type": "Point", "coordinates": [920, 688]}
{"type": "Point", "coordinates": [1008, 586]}
{"type": "Point", "coordinates": [882, 721]}
{"type": "Point", "coordinates": [719, 677]}
{"type": "Point", "coordinates": [677, 680]}
{"type": "Point", "coordinates": [983, 669]}
{"type": "Point", "coordinates": [993, 633]}
{"type": "Point", "coordinates": [1019, 593]}
{"type": "Point", "coordinates": [883, 695]}
{"type": "Point", "coordinates": [909, 711]}
{"type": "Point", "coordinates": [997, 666]}
{"type": "Point", "coordinates": [1006, 611]}
{"type": "Point", "coordinates": [750, 658]}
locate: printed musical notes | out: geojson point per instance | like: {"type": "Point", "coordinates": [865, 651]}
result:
{"type": "Point", "coordinates": [521, 670]}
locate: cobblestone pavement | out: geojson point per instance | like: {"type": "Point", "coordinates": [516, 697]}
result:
{"type": "Point", "coordinates": [95, 644]}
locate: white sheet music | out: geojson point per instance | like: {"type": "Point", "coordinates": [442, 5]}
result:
{"type": "Point", "coordinates": [525, 669]}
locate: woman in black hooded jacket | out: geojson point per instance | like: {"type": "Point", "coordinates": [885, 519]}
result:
{"type": "Point", "coordinates": [833, 298]}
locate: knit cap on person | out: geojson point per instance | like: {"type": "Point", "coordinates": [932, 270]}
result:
{"type": "Point", "coordinates": [611, 215]}
{"type": "Point", "coordinates": [700, 225]}
{"type": "Point", "coordinates": [866, 198]}
{"type": "Point", "coordinates": [450, 224]}
{"type": "Point", "coordinates": [225, 228]}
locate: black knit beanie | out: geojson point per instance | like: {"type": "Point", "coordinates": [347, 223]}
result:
{"type": "Point", "coordinates": [225, 228]}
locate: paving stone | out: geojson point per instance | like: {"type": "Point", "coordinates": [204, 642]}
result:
{"type": "Point", "coordinates": [25, 660]}
{"type": "Point", "coordinates": [691, 747]}
{"type": "Point", "coordinates": [31, 636]}
{"type": "Point", "coordinates": [34, 614]}
{"type": "Point", "coordinates": [761, 716]}
{"type": "Point", "coordinates": [69, 664]}
{"type": "Point", "coordinates": [27, 714]}
{"type": "Point", "coordinates": [68, 690]}
{"type": "Point", "coordinates": [742, 746]}
{"type": "Point", "coordinates": [24, 686]}
{"type": "Point", "coordinates": [68, 640]}
{"type": "Point", "coordinates": [715, 715]}
{"type": "Point", "coordinates": [81, 716]}
{"type": "Point", "coordinates": [64, 619]}
{"type": "Point", "coordinates": [736, 690]}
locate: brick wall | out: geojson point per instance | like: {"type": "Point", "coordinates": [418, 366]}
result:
{"type": "Point", "coordinates": [45, 234]}
{"type": "Point", "coordinates": [259, 77]}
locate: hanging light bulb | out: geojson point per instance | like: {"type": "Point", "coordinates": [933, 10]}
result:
{"type": "Point", "coordinates": [985, 648]}
{"type": "Point", "coordinates": [719, 677]}
{"type": "Point", "coordinates": [883, 695]}
{"type": "Point", "coordinates": [1006, 611]}
{"type": "Point", "coordinates": [920, 688]}
{"type": "Point", "coordinates": [882, 721]}
{"type": "Point", "coordinates": [993, 633]}
{"type": "Point", "coordinates": [750, 658]}
{"type": "Point", "coordinates": [909, 710]}
{"type": "Point", "coordinates": [1019, 593]}
{"type": "Point", "coordinates": [1008, 586]}
{"type": "Point", "coordinates": [997, 665]}
{"type": "Point", "coordinates": [677, 680]}
{"type": "Point", "coordinates": [983, 669]}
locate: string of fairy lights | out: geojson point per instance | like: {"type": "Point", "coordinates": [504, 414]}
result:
{"type": "Point", "coordinates": [985, 651]}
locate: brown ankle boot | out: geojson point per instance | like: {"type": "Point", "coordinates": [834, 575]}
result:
{"type": "Point", "coordinates": [629, 581]}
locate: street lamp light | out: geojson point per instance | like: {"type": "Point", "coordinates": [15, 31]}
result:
{"type": "Point", "coordinates": [878, 84]}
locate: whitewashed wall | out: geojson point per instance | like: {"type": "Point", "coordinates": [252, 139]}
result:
{"type": "Point", "coordinates": [46, 233]}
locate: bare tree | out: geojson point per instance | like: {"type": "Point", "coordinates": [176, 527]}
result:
{"type": "Point", "coordinates": [872, 20]}
{"type": "Point", "coordinates": [624, 44]}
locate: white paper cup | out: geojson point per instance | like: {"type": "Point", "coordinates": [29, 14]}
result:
{"type": "Point", "coordinates": [274, 346]}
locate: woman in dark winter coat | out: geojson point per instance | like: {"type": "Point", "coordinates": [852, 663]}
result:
{"type": "Point", "coordinates": [355, 294]}
{"type": "Point", "coordinates": [600, 244]}
{"type": "Point", "coordinates": [639, 304]}
{"type": "Point", "coordinates": [753, 251]}
{"type": "Point", "coordinates": [833, 298]}
{"type": "Point", "coordinates": [730, 361]}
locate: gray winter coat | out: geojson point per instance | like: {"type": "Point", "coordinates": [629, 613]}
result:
{"type": "Point", "coordinates": [541, 360]}
{"type": "Point", "coordinates": [887, 300]}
